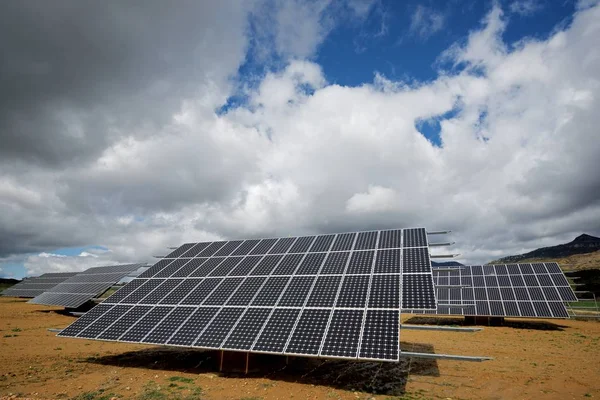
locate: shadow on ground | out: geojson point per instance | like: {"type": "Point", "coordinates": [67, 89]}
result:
{"type": "Point", "coordinates": [510, 323]}
{"type": "Point", "coordinates": [362, 376]}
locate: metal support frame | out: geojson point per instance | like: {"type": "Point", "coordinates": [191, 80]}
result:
{"type": "Point", "coordinates": [446, 269]}
{"type": "Point", "coordinates": [438, 328]}
{"type": "Point", "coordinates": [438, 232]}
{"type": "Point", "coordinates": [452, 286]}
{"type": "Point", "coordinates": [158, 256]}
{"type": "Point", "coordinates": [441, 244]}
{"type": "Point", "coordinates": [444, 356]}
{"type": "Point", "coordinates": [56, 330]}
{"type": "Point", "coordinates": [456, 305]}
{"type": "Point", "coordinates": [444, 255]}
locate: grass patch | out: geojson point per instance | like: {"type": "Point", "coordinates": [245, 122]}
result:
{"type": "Point", "coordinates": [584, 303]}
{"type": "Point", "coordinates": [16, 329]}
{"type": "Point", "coordinates": [11, 335]}
{"type": "Point", "coordinates": [99, 394]}
{"type": "Point", "coordinates": [181, 379]}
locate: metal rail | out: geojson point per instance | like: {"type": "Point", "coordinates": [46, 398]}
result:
{"type": "Point", "coordinates": [444, 255]}
{"type": "Point", "coordinates": [441, 244]}
{"type": "Point", "coordinates": [438, 232]}
{"type": "Point", "coordinates": [444, 356]}
{"type": "Point", "coordinates": [439, 328]}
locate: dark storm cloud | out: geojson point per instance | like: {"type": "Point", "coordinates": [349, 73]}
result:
{"type": "Point", "coordinates": [74, 71]}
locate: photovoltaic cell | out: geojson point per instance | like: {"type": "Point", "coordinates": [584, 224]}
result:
{"type": "Point", "coordinates": [385, 291]}
{"type": "Point", "coordinates": [415, 237]}
{"type": "Point", "coordinates": [388, 262]}
{"type": "Point", "coordinates": [344, 242]}
{"type": "Point", "coordinates": [161, 291]}
{"type": "Point", "coordinates": [211, 249]}
{"type": "Point", "coordinates": [246, 247]}
{"type": "Point", "coordinates": [322, 243]}
{"type": "Point", "coordinates": [148, 322]}
{"type": "Point", "coordinates": [276, 331]}
{"type": "Point", "coordinates": [309, 332]}
{"type": "Point", "coordinates": [242, 337]}
{"type": "Point", "coordinates": [380, 335]}
{"type": "Point", "coordinates": [343, 334]}
{"type": "Point", "coordinates": [288, 264]}
{"type": "Point", "coordinates": [189, 331]}
{"type": "Point", "coordinates": [222, 293]}
{"type": "Point", "coordinates": [181, 291]}
{"type": "Point", "coordinates": [271, 290]}
{"type": "Point", "coordinates": [302, 244]}
{"type": "Point", "coordinates": [361, 262]}
{"type": "Point", "coordinates": [99, 325]}
{"type": "Point", "coordinates": [311, 264]}
{"type": "Point", "coordinates": [217, 331]}
{"type": "Point", "coordinates": [296, 292]}
{"type": "Point", "coordinates": [267, 265]}
{"type": "Point", "coordinates": [197, 296]}
{"type": "Point", "coordinates": [195, 250]}
{"type": "Point", "coordinates": [324, 291]}
{"type": "Point", "coordinates": [366, 241]}
{"type": "Point", "coordinates": [264, 246]}
{"type": "Point", "coordinates": [353, 293]}
{"type": "Point", "coordinates": [246, 292]}
{"type": "Point", "coordinates": [163, 331]}
{"type": "Point", "coordinates": [335, 263]}
{"type": "Point", "coordinates": [282, 246]}
{"type": "Point", "coordinates": [416, 260]}
{"type": "Point", "coordinates": [116, 330]}
{"type": "Point", "coordinates": [390, 239]}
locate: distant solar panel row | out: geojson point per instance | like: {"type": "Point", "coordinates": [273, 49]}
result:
{"type": "Point", "coordinates": [79, 289]}
{"type": "Point", "coordinates": [32, 287]}
{"type": "Point", "coordinates": [513, 290]}
{"type": "Point", "coordinates": [329, 295]}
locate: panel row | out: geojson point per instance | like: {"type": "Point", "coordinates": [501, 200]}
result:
{"type": "Point", "coordinates": [554, 285]}
{"type": "Point", "coordinates": [318, 332]}
{"type": "Point", "coordinates": [69, 300]}
{"type": "Point", "coordinates": [349, 291]}
{"type": "Point", "coordinates": [416, 237]}
{"type": "Point", "coordinates": [530, 309]}
{"type": "Point", "coordinates": [467, 294]}
{"type": "Point", "coordinates": [392, 261]}
{"type": "Point", "coordinates": [504, 269]}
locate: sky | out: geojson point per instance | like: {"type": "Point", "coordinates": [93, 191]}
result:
{"type": "Point", "coordinates": [130, 127]}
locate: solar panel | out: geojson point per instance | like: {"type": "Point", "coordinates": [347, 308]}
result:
{"type": "Point", "coordinates": [80, 288]}
{"type": "Point", "coordinates": [513, 290]}
{"type": "Point", "coordinates": [32, 287]}
{"type": "Point", "coordinates": [336, 295]}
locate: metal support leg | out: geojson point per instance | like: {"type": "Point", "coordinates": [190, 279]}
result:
{"type": "Point", "coordinates": [247, 358]}
{"type": "Point", "coordinates": [221, 362]}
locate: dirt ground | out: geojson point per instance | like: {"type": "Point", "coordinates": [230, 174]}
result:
{"type": "Point", "coordinates": [533, 359]}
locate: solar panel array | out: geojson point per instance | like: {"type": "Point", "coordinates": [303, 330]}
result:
{"type": "Point", "coordinates": [513, 290]}
{"type": "Point", "coordinates": [84, 286]}
{"type": "Point", "coordinates": [335, 295]}
{"type": "Point", "coordinates": [31, 287]}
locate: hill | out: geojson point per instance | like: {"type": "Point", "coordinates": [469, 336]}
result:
{"type": "Point", "coordinates": [446, 264]}
{"type": "Point", "coordinates": [5, 283]}
{"type": "Point", "coordinates": [583, 244]}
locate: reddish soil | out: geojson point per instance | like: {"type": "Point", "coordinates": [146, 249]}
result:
{"type": "Point", "coordinates": [541, 359]}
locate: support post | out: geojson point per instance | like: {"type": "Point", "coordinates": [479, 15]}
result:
{"type": "Point", "coordinates": [221, 361]}
{"type": "Point", "coordinates": [247, 358]}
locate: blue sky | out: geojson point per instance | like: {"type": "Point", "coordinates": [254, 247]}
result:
{"type": "Point", "coordinates": [122, 186]}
